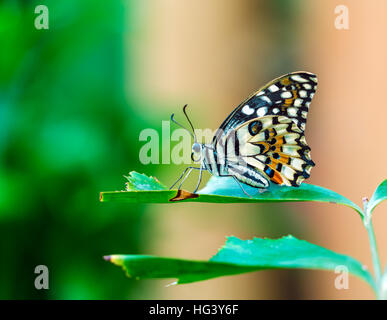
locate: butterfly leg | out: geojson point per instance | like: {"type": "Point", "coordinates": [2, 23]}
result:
{"type": "Point", "coordinates": [240, 185]}
{"type": "Point", "coordinates": [186, 176]}
{"type": "Point", "coordinates": [200, 179]}
{"type": "Point", "coordinates": [182, 175]}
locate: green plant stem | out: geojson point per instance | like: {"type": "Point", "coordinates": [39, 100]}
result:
{"type": "Point", "coordinates": [374, 249]}
{"type": "Point", "coordinates": [367, 221]}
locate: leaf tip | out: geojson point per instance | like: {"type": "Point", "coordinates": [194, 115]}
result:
{"type": "Point", "coordinates": [115, 258]}
{"type": "Point", "coordinates": [171, 284]}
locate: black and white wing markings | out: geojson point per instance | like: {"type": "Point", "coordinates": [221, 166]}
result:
{"type": "Point", "coordinates": [275, 147]}
{"type": "Point", "coordinates": [289, 96]}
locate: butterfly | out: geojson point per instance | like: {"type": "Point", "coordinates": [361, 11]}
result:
{"type": "Point", "coordinates": [262, 142]}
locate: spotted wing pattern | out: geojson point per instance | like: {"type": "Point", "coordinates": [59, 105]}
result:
{"type": "Point", "coordinates": [275, 146]}
{"type": "Point", "coordinates": [289, 96]}
{"type": "Point", "coordinates": [264, 135]}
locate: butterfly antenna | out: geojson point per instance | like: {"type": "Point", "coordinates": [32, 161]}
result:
{"type": "Point", "coordinates": [180, 125]}
{"type": "Point", "coordinates": [192, 127]}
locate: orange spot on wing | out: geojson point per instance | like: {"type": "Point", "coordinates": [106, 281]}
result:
{"type": "Point", "coordinates": [277, 148]}
{"type": "Point", "coordinates": [265, 145]}
{"type": "Point", "coordinates": [283, 159]}
{"type": "Point", "coordinates": [286, 81]}
{"type": "Point", "coordinates": [271, 133]}
{"type": "Point", "coordinates": [280, 140]}
{"type": "Point", "coordinates": [277, 178]}
{"type": "Point", "coordinates": [289, 102]}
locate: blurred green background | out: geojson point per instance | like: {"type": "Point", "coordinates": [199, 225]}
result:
{"type": "Point", "coordinates": [74, 98]}
{"type": "Point", "coordinates": [67, 132]}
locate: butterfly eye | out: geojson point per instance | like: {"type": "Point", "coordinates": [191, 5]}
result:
{"type": "Point", "coordinates": [196, 147]}
{"type": "Point", "coordinates": [255, 127]}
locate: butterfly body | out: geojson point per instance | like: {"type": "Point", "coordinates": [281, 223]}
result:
{"type": "Point", "coordinates": [262, 141]}
{"type": "Point", "coordinates": [222, 167]}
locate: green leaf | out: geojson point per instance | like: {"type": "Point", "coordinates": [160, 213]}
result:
{"type": "Point", "coordinates": [143, 189]}
{"type": "Point", "coordinates": [138, 181]}
{"type": "Point", "coordinates": [240, 256]}
{"type": "Point", "coordinates": [379, 195]}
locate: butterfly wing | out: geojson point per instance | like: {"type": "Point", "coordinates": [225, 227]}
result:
{"type": "Point", "coordinates": [275, 147]}
{"type": "Point", "coordinates": [289, 96]}
{"type": "Point", "coordinates": [266, 132]}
